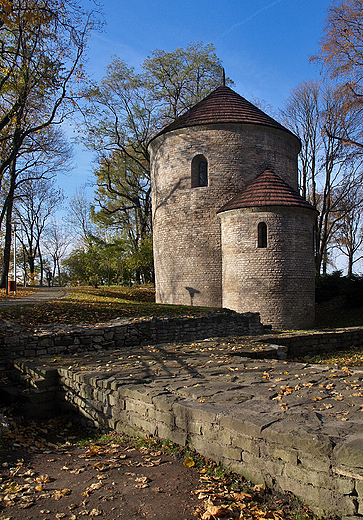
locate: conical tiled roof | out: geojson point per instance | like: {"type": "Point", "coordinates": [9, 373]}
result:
{"type": "Point", "coordinates": [268, 189]}
{"type": "Point", "coordinates": [223, 105]}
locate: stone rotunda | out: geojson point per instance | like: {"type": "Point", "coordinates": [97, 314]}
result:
{"type": "Point", "coordinates": [230, 228]}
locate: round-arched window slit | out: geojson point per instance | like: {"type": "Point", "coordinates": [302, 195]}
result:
{"type": "Point", "coordinates": [262, 234]}
{"type": "Point", "coordinates": [199, 173]}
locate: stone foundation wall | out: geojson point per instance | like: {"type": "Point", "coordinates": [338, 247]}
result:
{"type": "Point", "coordinates": [302, 343]}
{"type": "Point", "coordinates": [319, 461]}
{"type": "Point", "coordinates": [124, 333]}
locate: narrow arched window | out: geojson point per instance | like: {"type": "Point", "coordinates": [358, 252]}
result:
{"type": "Point", "coordinates": [199, 173]}
{"type": "Point", "coordinates": [262, 235]}
{"type": "Point", "coordinates": [314, 240]}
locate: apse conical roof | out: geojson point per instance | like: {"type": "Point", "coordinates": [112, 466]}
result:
{"type": "Point", "coordinates": [223, 105]}
{"type": "Point", "coordinates": [268, 189]}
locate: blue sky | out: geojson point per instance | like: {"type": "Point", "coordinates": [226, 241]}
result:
{"type": "Point", "coordinates": [264, 45]}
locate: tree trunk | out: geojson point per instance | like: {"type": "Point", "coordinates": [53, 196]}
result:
{"type": "Point", "coordinates": [9, 211]}
{"type": "Point", "coordinates": [350, 264]}
{"type": "Point", "coordinates": [41, 267]}
{"type": "Point", "coordinates": [59, 273]}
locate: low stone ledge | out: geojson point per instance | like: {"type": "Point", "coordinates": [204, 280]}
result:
{"type": "Point", "coordinates": [283, 452]}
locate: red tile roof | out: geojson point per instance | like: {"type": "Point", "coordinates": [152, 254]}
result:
{"type": "Point", "coordinates": [223, 105]}
{"type": "Point", "coordinates": [268, 189]}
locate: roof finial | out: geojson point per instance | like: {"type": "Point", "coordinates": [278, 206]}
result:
{"type": "Point", "coordinates": [223, 77]}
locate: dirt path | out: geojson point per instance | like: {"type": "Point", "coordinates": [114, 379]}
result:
{"type": "Point", "coordinates": [117, 478]}
{"type": "Point", "coordinates": [111, 482]}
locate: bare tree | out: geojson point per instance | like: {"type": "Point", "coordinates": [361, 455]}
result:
{"type": "Point", "coordinates": [302, 115]}
{"type": "Point", "coordinates": [348, 238]}
{"type": "Point", "coordinates": [341, 57]}
{"type": "Point", "coordinates": [79, 218]}
{"type": "Point", "coordinates": [56, 242]}
{"type": "Point", "coordinates": [33, 209]}
{"type": "Point", "coordinates": [328, 169]}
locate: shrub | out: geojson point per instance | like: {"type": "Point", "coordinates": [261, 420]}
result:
{"type": "Point", "coordinates": [329, 286]}
{"type": "Point", "coordinates": [334, 285]}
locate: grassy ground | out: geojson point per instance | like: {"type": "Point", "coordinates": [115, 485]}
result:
{"type": "Point", "coordinates": [90, 305]}
{"type": "Point", "coordinates": [352, 357]}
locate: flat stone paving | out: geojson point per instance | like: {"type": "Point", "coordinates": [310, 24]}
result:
{"type": "Point", "coordinates": [326, 399]}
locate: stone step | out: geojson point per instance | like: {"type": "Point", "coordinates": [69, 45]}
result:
{"type": "Point", "coordinates": [34, 375]}
{"type": "Point", "coordinates": [261, 352]}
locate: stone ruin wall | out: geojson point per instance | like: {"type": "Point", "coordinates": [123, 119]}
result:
{"type": "Point", "coordinates": [128, 332]}
{"type": "Point", "coordinates": [327, 477]}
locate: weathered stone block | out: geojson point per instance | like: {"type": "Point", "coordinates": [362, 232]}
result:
{"type": "Point", "coordinates": [321, 500]}
{"type": "Point", "coordinates": [246, 443]}
{"type": "Point", "coordinates": [45, 342]}
{"type": "Point", "coordinates": [126, 428]}
{"type": "Point", "coordinates": [162, 417]}
{"type": "Point", "coordinates": [251, 425]}
{"type": "Point", "coordinates": [178, 437]}
{"type": "Point", "coordinates": [297, 433]}
{"type": "Point", "coordinates": [214, 433]}
{"type": "Point", "coordinates": [119, 414]}
{"type": "Point", "coordinates": [321, 463]}
{"type": "Point", "coordinates": [164, 430]}
{"type": "Point", "coordinates": [136, 406]}
{"type": "Point", "coordinates": [214, 450]}
{"type": "Point", "coordinates": [139, 393]}
{"type": "Point", "coordinates": [344, 486]}
{"type": "Point", "coordinates": [350, 452]}
{"type": "Point", "coordinates": [359, 488]}
{"type": "Point", "coordinates": [317, 479]}
{"type": "Point", "coordinates": [144, 425]}
{"type": "Point", "coordinates": [251, 473]}
{"type": "Point", "coordinates": [278, 452]}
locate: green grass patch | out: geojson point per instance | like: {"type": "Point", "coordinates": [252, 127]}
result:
{"type": "Point", "coordinates": [352, 357]}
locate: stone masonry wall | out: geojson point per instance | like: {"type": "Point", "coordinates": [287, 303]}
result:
{"type": "Point", "coordinates": [186, 229]}
{"type": "Point", "coordinates": [281, 455]}
{"type": "Point", "coordinates": [277, 281]}
{"type": "Point", "coordinates": [164, 330]}
{"type": "Point", "coordinates": [124, 333]}
{"type": "Point", "coordinates": [302, 343]}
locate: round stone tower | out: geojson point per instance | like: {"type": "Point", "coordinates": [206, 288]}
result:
{"type": "Point", "coordinates": [268, 253]}
{"type": "Point", "coordinates": [198, 164]}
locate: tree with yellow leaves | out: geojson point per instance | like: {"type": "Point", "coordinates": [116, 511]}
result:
{"type": "Point", "coordinates": [42, 45]}
{"type": "Point", "coordinates": [341, 57]}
